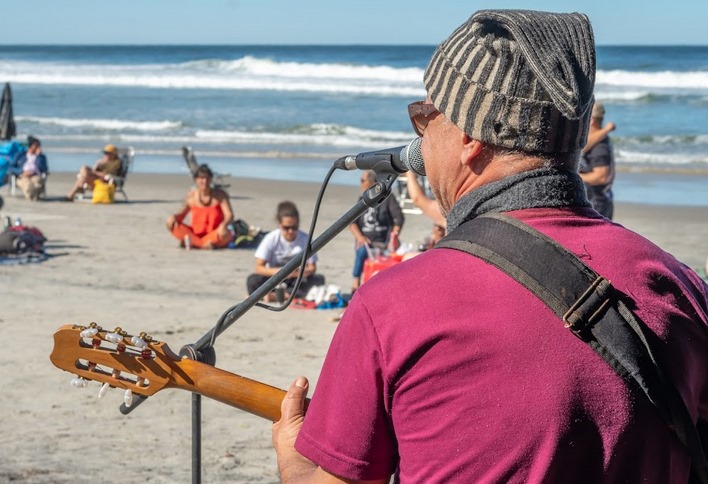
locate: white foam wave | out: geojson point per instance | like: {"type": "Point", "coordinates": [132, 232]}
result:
{"type": "Point", "coordinates": [313, 135]}
{"type": "Point", "coordinates": [658, 80]}
{"type": "Point", "coordinates": [198, 82]}
{"type": "Point", "coordinates": [105, 124]}
{"type": "Point", "coordinates": [629, 156]}
{"type": "Point", "coordinates": [609, 96]}
{"type": "Point", "coordinates": [247, 73]}
{"type": "Point", "coordinates": [318, 134]}
{"type": "Point", "coordinates": [270, 68]}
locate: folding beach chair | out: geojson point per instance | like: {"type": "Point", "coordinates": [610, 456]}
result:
{"type": "Point", "coordinates": [193, 165]}
{"type": "Point", "coordinates": [126, 155]}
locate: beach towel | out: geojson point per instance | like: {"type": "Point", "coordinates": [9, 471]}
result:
{"type": "Point", "coordinates": [327, 296]}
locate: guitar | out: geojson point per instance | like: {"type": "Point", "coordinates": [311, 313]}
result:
{"type": "Point", "coordinates": [143, 366]}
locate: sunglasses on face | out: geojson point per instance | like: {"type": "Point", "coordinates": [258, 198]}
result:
{"type": "Point", "coordinates": [289, 228]}
{"type": "Point", "coordinates": [421, 113]}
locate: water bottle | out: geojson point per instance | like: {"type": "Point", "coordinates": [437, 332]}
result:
{"type": "Point", "coordinates": [18, 221]}
{"type": "Point", "coordinates": [6, 223]}
{"type": "Point", "coordinates": [280, 293]}
{"type": "Point", "coordinates": [187, 242]}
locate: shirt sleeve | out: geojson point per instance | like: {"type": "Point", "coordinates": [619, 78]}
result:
{"type": "Point", "coordinates": [600, 155]}
{"type": "Point", "coordinates": [347, 429]}
{"type": "Point", "coordinates": [265, 247]}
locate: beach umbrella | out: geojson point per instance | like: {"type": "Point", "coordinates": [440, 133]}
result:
{"type": "Point", "coordinates": [7, 120]}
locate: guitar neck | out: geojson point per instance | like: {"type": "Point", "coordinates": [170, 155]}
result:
{"type": "Point", "coordinates": [234, 390]}
{"type": "Point", "coordinates": [151, 368]}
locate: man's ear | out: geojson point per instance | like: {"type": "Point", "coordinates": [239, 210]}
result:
{"type": "Point", "coordinates": [471, 148]}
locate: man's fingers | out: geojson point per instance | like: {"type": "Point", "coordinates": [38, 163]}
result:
{"type": "Point", "coordinates": [293, 405]}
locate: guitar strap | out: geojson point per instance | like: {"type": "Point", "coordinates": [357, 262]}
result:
{"type": "Point", "coordinates": [590, 308]}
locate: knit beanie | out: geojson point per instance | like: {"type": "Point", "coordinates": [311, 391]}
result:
{"type": "Point", "coordinates": [517, 79]}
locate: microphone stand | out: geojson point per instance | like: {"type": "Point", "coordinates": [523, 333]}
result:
{"type": "Point", "coordinates": [203, 349]}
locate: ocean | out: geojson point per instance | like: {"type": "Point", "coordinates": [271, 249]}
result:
{"type": "Point", "coordinates": [287, 112]}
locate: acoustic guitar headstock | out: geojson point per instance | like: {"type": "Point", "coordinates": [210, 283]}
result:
{"type": "Point", "coordinates": [136, 363]}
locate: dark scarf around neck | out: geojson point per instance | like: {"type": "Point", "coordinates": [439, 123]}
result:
{"type": "Point", "coordinates": [544, 187]}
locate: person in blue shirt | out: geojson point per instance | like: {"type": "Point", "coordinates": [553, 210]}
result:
{"type": "Point", "coordinates": [31, 170]}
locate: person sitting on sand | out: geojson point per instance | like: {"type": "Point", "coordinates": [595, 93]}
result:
{"type": "Point", "coordinates": [31, 169]}
{"type": "Point", "coordinates": [277, 248]}
{"type": "Point", "coordinates": [105, 167]}
{"type": "Point", "coordinates": [210, 212]}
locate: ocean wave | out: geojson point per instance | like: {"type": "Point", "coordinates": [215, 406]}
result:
{"type": "Point", "coordinates": [316, 134]}
{"type": "Point", "coordinates": [247, 73]}
{"type": "Point", "coordinates": [270, 68]}
{"type": "Point", "coordinates": [321, 135]}
{"type": "Point", "coordinates": [695, 80]}
{"type": "Point", "coordinates": [651, 158]}
{"type": "Point", "coordinates": [225, 83]}
{"type": "Point", "coordinates": [683, 140]}
{"type": "Point", "coordinates": [104, 124]}
{"type": "Point", "coordinates": [611, 96]}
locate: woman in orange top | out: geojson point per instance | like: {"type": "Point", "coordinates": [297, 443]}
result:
{"type": "Point", "coordinates": [210, 212]}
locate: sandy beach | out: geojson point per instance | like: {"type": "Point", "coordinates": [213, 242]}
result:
{"type": "Point", "coordinates": [117, 265]}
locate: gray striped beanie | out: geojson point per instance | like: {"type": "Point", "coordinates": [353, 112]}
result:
{"type": "Point", "coordinates": [518, 79]}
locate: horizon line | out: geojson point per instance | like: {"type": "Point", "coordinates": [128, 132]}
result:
{"type": "Point", "coordinates": [180, 44]}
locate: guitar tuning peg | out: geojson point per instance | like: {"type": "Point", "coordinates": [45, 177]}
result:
{"type": "Point", "coordinates": [128, 398]}
{"type": "Point", "coordinates": [103, 390]}
{"type": "Point", "coordinates": [89, 332]}
{"type": "Point", "coordinates": [114, 337]}
{"type": "Point", "coordinates": [138, 342]}
{"type": "Point", "coordinates": [79, 382]}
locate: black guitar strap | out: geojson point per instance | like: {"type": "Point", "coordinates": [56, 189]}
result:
{"type": "Point", "coordinates": [588, 305]}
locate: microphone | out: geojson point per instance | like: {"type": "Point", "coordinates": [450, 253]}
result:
{"type": "Point", "coordinates": [399, 159]}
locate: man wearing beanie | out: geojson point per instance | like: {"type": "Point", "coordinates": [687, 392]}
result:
{"type": "Point", "coordinates": [446, 369]}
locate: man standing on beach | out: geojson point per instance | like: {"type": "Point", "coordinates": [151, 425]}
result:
{"type": "Point", "coordinates": [597, 166]}
{"type": "Point", "coordinates": [444, 368]}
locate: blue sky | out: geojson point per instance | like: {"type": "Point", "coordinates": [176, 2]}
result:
{"type": "Point", "coordinates": [640, 22]}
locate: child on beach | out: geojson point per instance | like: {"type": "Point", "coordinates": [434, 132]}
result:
{"type": "Point", "coordinates": [210, 212]}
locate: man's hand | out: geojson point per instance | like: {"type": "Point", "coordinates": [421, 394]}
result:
{"type": "Point", "coordinates": [293, 466]}
{"type": "Point", "coordinates": [361, 240]}
{"type": "Point", "coordinates": [290, 462]}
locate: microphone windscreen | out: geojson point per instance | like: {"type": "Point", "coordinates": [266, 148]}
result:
{"type": "Point", "coordinates": [412, 158]}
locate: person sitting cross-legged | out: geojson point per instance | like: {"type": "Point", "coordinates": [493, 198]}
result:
{"type": "Point", "coordinates": [210, 212]}
{"type": "Point", "coordinates": [277, 248]}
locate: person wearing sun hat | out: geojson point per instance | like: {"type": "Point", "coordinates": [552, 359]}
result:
{"type": "Point", "coordinates": [105, 167]}
{"type": "Point", "coordinates": [446, 369]}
